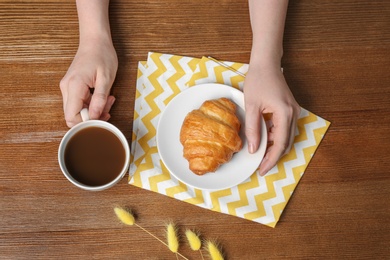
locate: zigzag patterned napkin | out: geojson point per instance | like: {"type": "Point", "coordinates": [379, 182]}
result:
{"type": "Point", "coordinates": [259, 199]}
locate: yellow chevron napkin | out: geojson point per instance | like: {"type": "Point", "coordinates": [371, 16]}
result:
{"type": "Point", "coordinates": [259, 199]}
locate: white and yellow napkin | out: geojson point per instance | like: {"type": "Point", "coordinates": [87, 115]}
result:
{"type": "Point", "coordinates": [259, 199]}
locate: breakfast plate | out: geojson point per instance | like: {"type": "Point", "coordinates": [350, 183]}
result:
{"type": "Point", "coordinates": [242, 165]}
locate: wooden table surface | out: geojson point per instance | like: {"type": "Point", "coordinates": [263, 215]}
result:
{"type": "Point", "coordinates": [336, 62]}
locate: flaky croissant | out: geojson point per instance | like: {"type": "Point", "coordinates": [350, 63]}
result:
{"type": "Point", "coordinates": [210, 135]}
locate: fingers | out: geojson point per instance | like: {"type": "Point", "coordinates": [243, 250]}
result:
{"type": "Point", "coordinates": [75, 96]}
{"type": "Point", "coordinates": [292, 135]}
{"type": "Point", "coordinates": [105, 116]}
{"type": "Point", "coordinates": [282, 135]}
{"type": "Point", "coordinates": [101, 102]}
{"type": "Point", "coordinates": [252, 127]}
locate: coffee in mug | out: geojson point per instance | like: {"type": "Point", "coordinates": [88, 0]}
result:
{"type": "Point", "coordinates": [94, 154]}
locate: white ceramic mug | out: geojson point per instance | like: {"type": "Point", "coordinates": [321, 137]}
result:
{"type": "Point", "coordinates": [85, 124]}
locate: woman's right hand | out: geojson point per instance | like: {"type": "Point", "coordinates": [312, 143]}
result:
{"type": "Point", "coordinates": [92, 72]}
{"type": "Point", "coordinates": [88, 81]}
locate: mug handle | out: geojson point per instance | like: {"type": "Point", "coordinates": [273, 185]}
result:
{"type": "Point", "coordinates": [84, 114]}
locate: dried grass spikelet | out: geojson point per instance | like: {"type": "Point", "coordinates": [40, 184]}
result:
{"type": "Point", "coordinates": [125, 216]}
{"type": "Point", "coordinates": [214, 250]}
{"type": "Point", "coordinates": [172, 238]}
{"type": "Point", "coordinates": [193, 240]}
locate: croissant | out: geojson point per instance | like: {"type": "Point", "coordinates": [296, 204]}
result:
{"type": "Point", "coordinates": [210, 135]}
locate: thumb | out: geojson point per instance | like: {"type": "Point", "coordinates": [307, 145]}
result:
{"type": "Point", "coordinates": [252, 128]}
{"type": "Point", "coordinates": [98, 102]}
{"type": "Point", "coordinates": [99, 98]}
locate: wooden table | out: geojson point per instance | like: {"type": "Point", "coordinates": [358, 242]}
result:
{"type": "Point", "coordinates": [336, 62]}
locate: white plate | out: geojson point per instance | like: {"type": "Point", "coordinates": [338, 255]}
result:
{"type": "Point", "coordinates": [242, 165]}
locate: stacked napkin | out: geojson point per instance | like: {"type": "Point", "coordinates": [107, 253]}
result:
{"type": "Point", "coordinates": [259, 199]}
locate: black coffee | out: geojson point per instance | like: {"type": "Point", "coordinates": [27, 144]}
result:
{"type": "Point", "coordinates": [94, 156]}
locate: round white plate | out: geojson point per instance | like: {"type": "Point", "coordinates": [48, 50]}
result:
{"type": "Point", "coordinates": [242, 165]}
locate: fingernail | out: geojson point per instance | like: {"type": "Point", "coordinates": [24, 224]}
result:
{"type": "Point", "coordinates": [112, 101]}
{"type": "Point", "coordinates": [263, 172]}
{"type": "Point", "coordinates": [251, 148]}
{"type": "Point", "coordinates": [263, 167]}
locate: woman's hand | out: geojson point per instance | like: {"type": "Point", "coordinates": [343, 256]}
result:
{"type": "Point", "coordinates": [266, 91]}
{"type": "Point", "coordinates": [92, 72]}
{"type": "Point", "coordinates": [88, 82]}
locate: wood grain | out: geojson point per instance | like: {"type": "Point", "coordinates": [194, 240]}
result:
{"type": "Point", "coordinates": [336, 63]}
